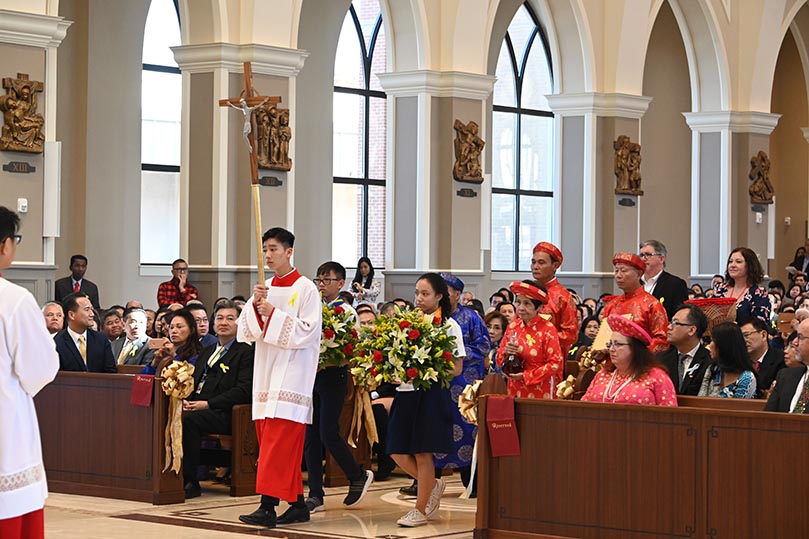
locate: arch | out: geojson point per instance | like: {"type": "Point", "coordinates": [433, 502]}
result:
{"type": "Point", "coordinates": [705, 51]}
{"type": "Point", "coordinates": [567, 28]}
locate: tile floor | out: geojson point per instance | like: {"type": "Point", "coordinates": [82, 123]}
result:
{"type": "Point", "coordinates": [215, 515]}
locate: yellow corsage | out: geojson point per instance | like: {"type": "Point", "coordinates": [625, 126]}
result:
{"type": "Point", "coordinates": [224, 367]}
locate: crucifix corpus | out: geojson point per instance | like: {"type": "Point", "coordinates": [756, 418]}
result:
{"type": "Point", "coordinates": [247, 103]}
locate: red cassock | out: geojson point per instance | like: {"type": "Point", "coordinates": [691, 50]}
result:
{"type": "Point", "coordinates": [563, 314]}
{"type": "Point", "coordinates": [646, 311]}
{"type": "Point", "coordinates": [543, 362]}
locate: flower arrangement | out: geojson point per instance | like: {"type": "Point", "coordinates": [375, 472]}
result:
{"type": "Point", "coordinates": [339, 337]}
{"type": "Point", "coordinates": [406, 347]}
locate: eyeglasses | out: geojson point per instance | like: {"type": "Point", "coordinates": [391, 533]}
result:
{"type": "Point", "coordinates": [326, 280]}
{"type": "Point", "coordinates": [200, 319]}
{"type": "Point", "coordinates": [800, 337]}
{"type": "Point", "coordinates": [181, 270]}
{"type": "Point", "coordinates": [748, 334]}
{"type": "Point", "coordinates": [680, 324]}
{"type": "Point", "coordinates": [16, 237]}
{"type": "Point", "coordinates": [616, 344]}
{"type": "Point", "coordinates": [649, 255]}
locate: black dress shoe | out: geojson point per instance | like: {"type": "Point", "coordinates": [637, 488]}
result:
{"type": "Point", "coordinates": [192, 490]}
{"type": "Point", "coordinates": [294, 514]}
{"type": "Point", "coordinates": [412, 490]}
{"type": "Point", "coordinates": [260, 517]}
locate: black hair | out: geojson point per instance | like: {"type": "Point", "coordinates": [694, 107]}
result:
{"type": "Point", "coordinates": [731, 349]}
{"type": "Point", "coordinates": [192, 346]}
{"type": "Point", "coordinates": [110, 312]}
{"type": "Point", "coordinates": [116, 307]}
{"type": "Point", "coordinates": [506, 303]}
{"type": "Point", "coordinates": [226, 304]}
{"type": "Point", "coordinates": [583, 339]}
{"type": "Point", "coordinates": [332, 267]}
{"type": "Point", "coordinates": [71, 302]}
{"type": "Point", "coordinates": [77, 257]}
{"type": "Point", "coordinates": [775, 283]}
{"type": "Point", "coordinates": [358, 278]}
{"type": "Point", "coordinates": [196, 307]}
{"type": "Point", "coordinates": [506, 293]}
{"type": "Point", "coordinates": [281, 235]}
{"type": "Point", "coordinates": [439, 286]}
{"type": "Point", "coordinates": [758, 324]}
{"type": "Point", "coordinates": [9, 223]}
{"type": "Point", "coordinates": [477, 305]}
{"type": "Point", "coordinates": [696, 316]}
{"type": "Point", "coordinates": [178, 261]}
{"type": "Point", "coordinates": [496, 295]}
{"type": "Point", "coordinates": [238, 298]}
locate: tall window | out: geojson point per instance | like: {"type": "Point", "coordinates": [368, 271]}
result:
{"type": "Point", "coordinates": [161, 102]}
{"type": "Point", "coordinates": [360, 126]}
{"type": "Point", "coordinates": [522, 144]}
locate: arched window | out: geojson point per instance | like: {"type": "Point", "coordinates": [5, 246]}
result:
{"type": "Point", "coordinates": [161, 103]}
{"type": "Point", "coordinates": [360, 126]}
{"type": "Point", "coordinates": [522, 144]}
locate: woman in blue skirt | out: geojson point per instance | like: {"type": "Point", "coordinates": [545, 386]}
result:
{"type": "Point", "coordinates": [421, 420]}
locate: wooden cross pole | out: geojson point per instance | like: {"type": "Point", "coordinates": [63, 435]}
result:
{"type": "Point", "coordinates": [247, 103]}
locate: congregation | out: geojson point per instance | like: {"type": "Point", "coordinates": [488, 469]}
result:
{"type": "Point", "coordinates": [738, 340]}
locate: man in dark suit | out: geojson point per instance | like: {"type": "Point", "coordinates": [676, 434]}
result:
{"type": "Point", "coordinates": [669, 289]}
{"type": "Point", "coordinates": [76, 283]}
{"type": "Point", "coordinates": [132, 348]}
{"type": "Point", "coordinates": [79, 347]}
{"type": "Point", "coordinates": [687, 359]}
{"type": "Point", "coordinates": [223, 377]}
{"type": "Point", "coordinates": [766, 360]}
{"type": "Point", "coordinates": [791, 391]}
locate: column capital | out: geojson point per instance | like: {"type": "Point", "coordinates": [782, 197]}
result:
{"type": "Point", "coordinates": [619, 105]}
{"type": "Point", "coordinates": [761, 123]}
{"type": "Point", "coordinates": [266, 60]}
{"type": "Point", "coordinates": [437, 84]}
{"type": "Point", "coordinates": [31, 29]}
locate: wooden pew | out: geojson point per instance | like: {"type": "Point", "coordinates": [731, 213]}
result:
{"type": "Point", "coordinates": [241, 453]}
{"type": "Point", "coordinates": [95, 443]}
{"type": "Point", "coordinates": [709, 469]}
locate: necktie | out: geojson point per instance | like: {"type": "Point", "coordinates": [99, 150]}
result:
{"type": "Point", "coordinates": [757, 365]}
{"type": "Point", "coordinates": [83, 348]}
{"type": "Point", "coordinates": [76, 286]}
{"type": "Point", "coordinates": [125, 351]}
{"type": "Point", "coordinates": [800, 406]}
{"type": "Point", "coordinates": [681, 366]}
{"type": "Point", "coordinates": [215, 356]}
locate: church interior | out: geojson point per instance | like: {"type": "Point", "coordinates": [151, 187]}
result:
{"type": "Point", "coordinates": [425, 135]}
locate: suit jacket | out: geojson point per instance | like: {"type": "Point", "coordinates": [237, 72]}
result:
{"type": "Point", "coordinates": [693, 380]}
{"type": "Point", "coordinates": [207, 340]}
{"type": "Point", "coordinates": [672, 289]}
{"type": "Point", "coordinates": [64, 287]}
{"type": "Point", "coordinates": [786, 383]}
{"type": "Point", "coordinates": [99, 353]}
{"type": "Point", "coordinates": [772, 363]}
{"type": "Point", "coordinates": [229, 381]}
{"type": "Point", "coordinates": [141, 356]}
{"type": "Point", "coordinates": [798, 265]}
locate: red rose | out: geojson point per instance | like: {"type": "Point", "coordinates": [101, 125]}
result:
{"type": "Point", "coordinates": [348, 349]}
{"type": "Point", "coordinates": [447, 356]}
{"type": "Point", "coordinates": [354, 333]}
{"type": "Point", "coordinates": [328, 334]}
{"type": "Point", "coordinates": [436, 320]}
{"type": "Point", "coordinates": [412, 373]}
{"type": "Point", "coordinates": [377, 356]}
{"type": "Point", "coordinates": [404, 324]}
{"type": "Point", "coordinates": [339, 310]}
{"type": "Point", "coordinates": [374, 372]}
{"type": "Point", "coordinates": [413, 334]}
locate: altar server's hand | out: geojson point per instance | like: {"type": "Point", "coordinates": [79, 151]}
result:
{"type": "Point", "coordinates": [260, 293]}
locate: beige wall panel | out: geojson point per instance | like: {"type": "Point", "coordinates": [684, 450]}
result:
{"type": "Point", "coordinates": [788, 155]}
{"type": "Point", "coordinates": [665, 207]}
{"type": "Point", "coordinates": [200, 180]}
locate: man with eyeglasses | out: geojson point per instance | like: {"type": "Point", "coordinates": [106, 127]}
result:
{"type": "Point", "coordinates": [29, 362]}
{"type": "Point", "coordinates": [767, 360]}
{"type": "Point", "coordinates": [178, 289]}
{"type": "Point", "coordinates": [200, 314]}
{"type": "Point", "coordinates": [686, 359]}
{"type": "Point", "coordinates": [669, 289]}
{"type": "Point", "coordinates": [791, 391]}
{"type": "Point", "coordinates": [331, 384]}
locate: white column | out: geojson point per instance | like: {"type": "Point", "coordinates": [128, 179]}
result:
{"type": "Point", "coordinates": [724, 123]}
{"type": "Point", "coordinates": [223, 59]}
{"type": "Point", "coordinates": [590, 106]}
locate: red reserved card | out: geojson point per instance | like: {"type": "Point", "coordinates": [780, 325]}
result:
{"type": "Point", "coordinates": [503, 436]}
{"type": "Point", "coordinates": [142, 390]}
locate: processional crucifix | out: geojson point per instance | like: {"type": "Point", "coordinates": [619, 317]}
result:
{"type": "Point", "coordinates": [247, 103]}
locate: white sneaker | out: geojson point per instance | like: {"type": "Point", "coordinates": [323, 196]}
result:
{"type": "Point", "coordinates": [412, 519]}
{"type": "Point", "coordinates": [435, 498]}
